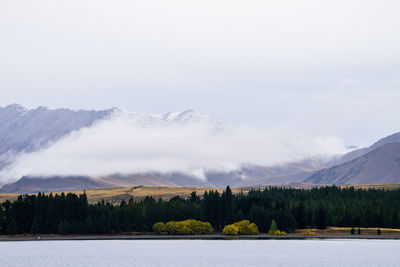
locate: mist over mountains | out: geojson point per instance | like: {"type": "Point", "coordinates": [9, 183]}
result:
{"type": "Point", "coordinates": [60, 150]}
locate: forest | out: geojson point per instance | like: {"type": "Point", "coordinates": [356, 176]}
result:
{"type": "Point", "coordinates": [290, 208]}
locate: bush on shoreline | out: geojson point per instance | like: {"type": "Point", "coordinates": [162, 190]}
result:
{"type": "Point", "coordinates": [230, 230]}
{"type": "Point", "coordinates": [243, 227]}
{"type": "Point", "coordinates": [274, 229]}
{"type": "Point", "coordinates": [187, 227]}
{"type": "Point", "coordinates": [309, 233]}
{"type": "Point", "coordinates": [159, 228]}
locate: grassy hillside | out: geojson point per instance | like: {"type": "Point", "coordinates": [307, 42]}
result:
{"type": "Point", "coordinates": [374, 186]}
{"type": "Point", "coordinates": [115, 195]}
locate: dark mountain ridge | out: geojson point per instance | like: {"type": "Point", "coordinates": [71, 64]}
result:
{"type": "Point", "coordinates": [378, 166]}
{"type": "Point", "coordinates": [394, 138]}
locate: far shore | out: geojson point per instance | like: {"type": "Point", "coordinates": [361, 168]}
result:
{"type": "Point", "coordinates": [187, 237]}
{"type": "Point", "coordinates": [300, 234]}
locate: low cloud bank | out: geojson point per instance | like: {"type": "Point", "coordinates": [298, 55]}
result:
{"type": "Point", "coordinates": [122, 145]}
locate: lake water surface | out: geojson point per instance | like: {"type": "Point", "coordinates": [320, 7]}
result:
{"type": "Point", "coordinates": [202, 253]}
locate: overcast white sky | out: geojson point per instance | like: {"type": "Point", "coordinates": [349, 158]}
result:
{"type": "Point", "coordinates": [328, 68]}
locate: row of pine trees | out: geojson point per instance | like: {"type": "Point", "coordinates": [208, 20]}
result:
{"type": "Point", "coordinates": [290, 208]}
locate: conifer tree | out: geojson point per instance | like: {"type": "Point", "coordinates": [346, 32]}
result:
{"type": "Point", "coordinates": [35, 226]}
{"type": "Point", "coordinates": [194, 198]}
{"type": "Point", "coordinates": [273, 228]}
{"type": "Point", "coordinates": [352, 231]}
{"type": "Point", "coordinates": [321, 218]}
{"type": "Point", "coordinates": [12, 227]}
{"type": "Point", "coordinates": [228, 206]}
{"type": "Point", "coordinates": [300, 216]}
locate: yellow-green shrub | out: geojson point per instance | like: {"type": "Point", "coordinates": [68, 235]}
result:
{"type": "Point", "coordinates": [230, 230]}
{"type": "Point", "coordinates": [309, 233]}
{"type": "Point", "coordinates": [188, 227]}
{"type": "Point", "coordinates": [245, 227]}
{"type": "Point", "coordinates": [273, 228]}
{"type": "Point", "coordinates": [171, 227]}
{"type": "Point", "coordinates": [277, 232]}
{"type": "Point", "coordinates": [159, 228]}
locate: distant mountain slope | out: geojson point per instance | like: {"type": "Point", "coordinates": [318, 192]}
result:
{"type": "Point", "coordinates": [23, 130]}
{"type": "Point", "coordinates": [381, 165]}
{"type": "Point", "coordinates": [27, 185]}
{"type": "Point", "coordinates": [28, 130]}
{"type": "Point", "coordinates": [249, 176]}
{"type": "Point", "coordinates": [394, 138]}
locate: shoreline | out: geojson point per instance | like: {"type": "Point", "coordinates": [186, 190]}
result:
{"type": "Point", "coordinates": [190, 237]}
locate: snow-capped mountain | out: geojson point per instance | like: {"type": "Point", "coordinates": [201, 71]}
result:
{"type": "Point", "coordinates": [180, 118]}
{"type": "Point", "coordinates": [24, 130]}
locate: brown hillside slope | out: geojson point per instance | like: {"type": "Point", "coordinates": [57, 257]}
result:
{"type": "Point", "coordinates": [380, 166]}
{"type": "Point", "coordinates": [116, 195]}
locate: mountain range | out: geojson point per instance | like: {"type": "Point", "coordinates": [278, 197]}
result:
{"type": "Point", "coordinates": [378, 164]}
{"type": "Point", "coordinates": [23, 130]}
{"type": "Point", "coordinates": [27, 131]}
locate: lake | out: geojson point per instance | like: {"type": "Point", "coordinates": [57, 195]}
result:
{"type": "Point", "coordinates": [201, 253]}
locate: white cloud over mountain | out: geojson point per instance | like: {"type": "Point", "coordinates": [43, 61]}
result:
{"type": "Point", "coordinates": [185, 142]}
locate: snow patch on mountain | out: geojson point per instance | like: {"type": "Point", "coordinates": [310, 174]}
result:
{"type": "Point", "coordinates": [185, 117]}
{"type": "Point", "coordinates": [25, 131]}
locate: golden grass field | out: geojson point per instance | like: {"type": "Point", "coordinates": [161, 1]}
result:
{"type": "Point", "coordinates": [374, 186]}
{"type": "Point", "coordinates": [343, 231]}
{"type": "Point", "coordinates": [116, 195]}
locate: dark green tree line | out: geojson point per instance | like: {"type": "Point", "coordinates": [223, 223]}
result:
{"type": "Point", "coordinates": [290, 208]}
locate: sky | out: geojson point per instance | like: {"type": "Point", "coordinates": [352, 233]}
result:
{"type": "Point", "coordinates": [319, 68]}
